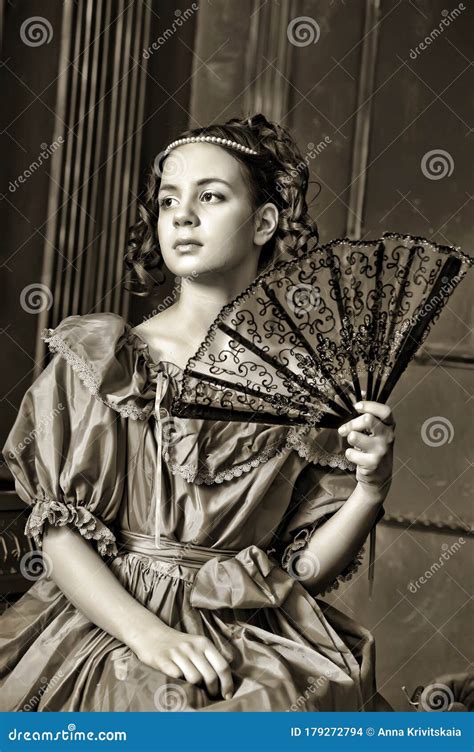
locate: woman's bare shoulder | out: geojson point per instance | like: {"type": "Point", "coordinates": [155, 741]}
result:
{"type": "Point", "coordinates": [165, 339]}
{"type": "Point", "coordinates": [157, 325]}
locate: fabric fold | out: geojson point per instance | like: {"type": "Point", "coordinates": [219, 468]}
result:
{"type": "Point", "coordinates": [67, 456]}
{"type": "Point", "coordinates": [248, 580]}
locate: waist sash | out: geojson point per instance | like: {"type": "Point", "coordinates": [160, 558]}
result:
{"type": "Point", "coordinates": [223, 578]}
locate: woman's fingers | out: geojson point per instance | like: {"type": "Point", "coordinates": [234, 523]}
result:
{"type": "Point", "coordinates": [207, 666]}
{"type": "Point", "coordinates": [191, 673]}
{"type": "Point", "coordinates": [377, 418]}
{"type": "Point", "coordinates": [377, 409]}
{"type": "Point", "coordinates": [206, 670]}
{"type": "Point", "coordinates": [362, 423]}
{"type": "Point", "coordinates": [362, 459]}
{"type": "Point", "coordinates": [362, 441]}
{"type": "Point", "coordinates": [222, 668]}
{"type": "Point", "coordinates": [170, 668]}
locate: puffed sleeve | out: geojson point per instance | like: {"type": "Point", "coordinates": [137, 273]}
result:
{"type": "Point", "coordinates": [321, 488]}
{"type": "Point", "coordinates": [66, 458]}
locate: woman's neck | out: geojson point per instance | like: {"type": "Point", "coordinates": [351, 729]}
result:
{"type": "Point", "coordinates": [200, 302]}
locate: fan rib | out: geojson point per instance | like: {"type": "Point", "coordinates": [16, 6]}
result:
{"type": "Point", "coordinates": [401, 293]}
{"type": "Point", "coordinates": [413, 336]}
{"type": "Point", "coordinates": [210, 378]}
{"type": "Point", "coordinates": [313, 390]}
{"type": "Point", "coordinates": [379, 256]}
{"type": "Point", "coordinates": [206, 412]}
{"type": "Point", "coordinates": [342, 314]}
{"type": "Point", "coordinates": [306, 345]}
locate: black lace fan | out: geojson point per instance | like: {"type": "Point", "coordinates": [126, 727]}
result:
{"type": "Point", "coordinates": [299, 345]}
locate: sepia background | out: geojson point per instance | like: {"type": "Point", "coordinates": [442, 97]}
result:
{"type": "Point", "coordinates": [378, 95]}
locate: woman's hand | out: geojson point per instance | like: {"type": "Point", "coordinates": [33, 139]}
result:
{"type": "Point", "coordinates": [179, 654]}
{"type": "Point", "coordinates": [372, 452]}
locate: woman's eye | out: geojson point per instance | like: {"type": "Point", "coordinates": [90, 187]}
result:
{"type": "Point", "coordinates": [162, 201]}
{"type": "Point", "coordinates": [210, 193]}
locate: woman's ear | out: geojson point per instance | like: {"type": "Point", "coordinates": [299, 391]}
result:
{"type": "Point", "coordinates": [266, 222]}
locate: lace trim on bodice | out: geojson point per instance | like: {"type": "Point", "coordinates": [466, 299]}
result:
{"type": "Point", "coordinates": [292, 439]}
{"type": "Point", "coordinates": [190, 473]}
{"type": "Point", "coordinates": [316, 456]}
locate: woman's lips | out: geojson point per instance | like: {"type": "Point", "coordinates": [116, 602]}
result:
{"type": "Point", "coordinates": [188, 246]}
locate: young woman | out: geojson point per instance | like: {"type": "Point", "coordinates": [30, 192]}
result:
{"type": "Point", "coordinates": [184, 557]}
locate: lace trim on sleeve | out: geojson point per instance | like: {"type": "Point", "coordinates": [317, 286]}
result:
{"type": "Point", "coordinates": [301, 540]}
{"type": "Point", "coordinates": [86, 375]}
{"type": "Point", "coordinates": [59, 514]}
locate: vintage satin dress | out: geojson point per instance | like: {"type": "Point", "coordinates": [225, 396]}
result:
{"type": "Point", "coordinates": [94, 447]}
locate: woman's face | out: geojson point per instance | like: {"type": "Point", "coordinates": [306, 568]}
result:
{"type": "Point", "coordinates": [203, 197]}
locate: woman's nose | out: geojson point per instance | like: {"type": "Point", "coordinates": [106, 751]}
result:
{"type": "Point", "coordinates": [185, 215]}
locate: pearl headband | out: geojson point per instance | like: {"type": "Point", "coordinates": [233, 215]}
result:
{"type": "Point", "coordinates": [210, 140]}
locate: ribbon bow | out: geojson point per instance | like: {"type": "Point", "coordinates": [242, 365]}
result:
{"type": "Point", "coordinates": [250, 579]}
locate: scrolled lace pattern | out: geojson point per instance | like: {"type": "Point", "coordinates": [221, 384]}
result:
{"type": "Point", "coordinates": [58, 513]}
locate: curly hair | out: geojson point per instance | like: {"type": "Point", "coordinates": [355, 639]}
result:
{"type": "Point", "coordinates": [278, 174]}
